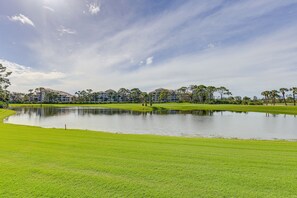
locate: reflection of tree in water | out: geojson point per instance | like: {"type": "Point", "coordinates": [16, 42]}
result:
{"type": "Point", "coordinates": [85, 111]}
{"type": "Point", "coordinates": [41, 112]}
{"type": "Point", "coordinates": [48, 112]}
{"type": "Point", "coordinates": [52, 111]}
{"type": "Point", "coordinates": [195, 112]}
{"type": "Point", "coordinates": [156, 112]}
{"type": "Point", "coordinates": [276, 115]}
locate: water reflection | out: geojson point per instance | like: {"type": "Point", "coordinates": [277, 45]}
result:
{"type": "Point", "coordinates": [171, 122]}
{"type": "Point", "coordinates": [48, 112]}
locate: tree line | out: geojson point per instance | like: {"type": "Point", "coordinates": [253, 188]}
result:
{"type": "Point", "coordinates": [194, 94]}
{"type": "Point", "coordinates": [280, 95]}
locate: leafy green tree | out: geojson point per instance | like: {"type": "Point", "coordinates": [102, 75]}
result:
{"type": "Point", "coordinates": [223, 91]}
{"type": "Point", "coordinates": [4, 84]}
{"type": "Point", "coordinates": [199, 94]}
{"type": "Point", "coordinates": [150, 97]}
{"type": "Point", "coordinates": [90, 95]}
{"type": "Point", "coordinates": [124, 94]}
{"type": "Point", "coordinates": [135, 94]}
{"type": "Point", "coordinates": [51, 97]}
{"type": "Point", "coordinates": [112, 95]}
{"type": "Point", "coordinates": [237, 98]}
{"type": "Point", "coordinates": [183, 94]}
{"type": "Point", "coordinates": [144, 98]}
{"type": "Point", "coordinates": [246, 100]}
{"type": "Point", "coordinates": [16, 97]}
{"type": "Point", "coordinates": [283, 92]}
{"type": "Point", "coordinates": [163, 97]}
{"type": "Point", "coordinates": [210, 90]}
{"type": "Point", "coordinates": [26, 98]}
{"type": "Point", "coordinates": [82, 96]}
{"type": "Point", "coordinates": [192, 89]}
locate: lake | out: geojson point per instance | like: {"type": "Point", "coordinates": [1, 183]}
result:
{"type": "Point", "coordinates": [171, 123]}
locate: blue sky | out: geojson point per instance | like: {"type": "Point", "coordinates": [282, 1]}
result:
{"type": "Point", "coordinates": [246, 45]}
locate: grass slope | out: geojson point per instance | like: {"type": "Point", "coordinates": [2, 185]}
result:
{"type": "Point", "coordinates": [183, 107]}
{"type": "Point", "coordinates": [36, 162]}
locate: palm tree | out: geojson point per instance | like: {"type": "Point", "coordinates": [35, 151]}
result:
{"type": "Point", "coordinates": [283, 92]}
{"type": "Point", "coordinates": [294, 90]}
{"type": "Point", "coordinates": [266, 96]}
{"type": "Point", "coordinates": [273, 94]}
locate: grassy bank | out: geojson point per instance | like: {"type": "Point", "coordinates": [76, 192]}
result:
{"type": "Point", "coordinates": [292, 110]}
{"type": "Point", "coordinates": [36, 162]}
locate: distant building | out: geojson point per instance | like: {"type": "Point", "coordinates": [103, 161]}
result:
{"type": "Point", "coordinates": [50, 95]}
{"type": "Point", "coordinates": [101, 97]}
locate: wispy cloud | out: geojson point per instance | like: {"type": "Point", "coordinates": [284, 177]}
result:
{"type": "Point", "coordinates": [149, 60]}
{"type": "Point", "coordinates": [246, 45]}
{"type": "Point", "coordinates": [22, 19]}
{"type": "Point", "coordinates": [94, 8]}
{"type": "Point", "coordinates": [49, 8]}
{"type": "Point", "coordinates": [62, 30]}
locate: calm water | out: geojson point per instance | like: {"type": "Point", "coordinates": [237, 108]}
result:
{"type": "Point", "coordinates": [173, 123]}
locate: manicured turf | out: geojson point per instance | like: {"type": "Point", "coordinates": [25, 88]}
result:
{"type": "Point", "coordinates": [36, 162]}
{"type": "Point", "coordinates": [279, 109]}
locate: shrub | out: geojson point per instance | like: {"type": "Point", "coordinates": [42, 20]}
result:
{"type": "Point", "coordinates": [3, 105]}
{"type": "Point", "coordinates": [255, 103]}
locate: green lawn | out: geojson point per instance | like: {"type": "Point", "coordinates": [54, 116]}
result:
{"type": "Point", "coordinates": [36, 162]}
{"type": "Point", "coordinates": [279, 109]}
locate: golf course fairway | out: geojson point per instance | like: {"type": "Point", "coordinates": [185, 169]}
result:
{"type": "Point", "coordinates": [38, 162]}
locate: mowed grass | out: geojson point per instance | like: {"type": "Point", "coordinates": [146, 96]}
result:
{"type": "Point", "coordinates": [278, 109]}
{"type": "Point", "coordinates": [37, 162]}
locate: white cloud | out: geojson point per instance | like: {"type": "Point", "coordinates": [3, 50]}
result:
{"type": "Point", "coordinates": [244, 65]}
{"type": "Point", "coordinates": [94, 8]}
{"type": "Point", "coordinates": [149, 60]}
{"type": "Point", "coordinates": [49, 8]}
{"type": "Point", "coordinates": [62, 30]}
{"type": "Point", "coordinates": [23, 19]}
{"type": "Point", "coordinates": [24, 78]}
